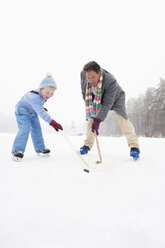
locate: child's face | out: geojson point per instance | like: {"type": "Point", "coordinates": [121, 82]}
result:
{"type": "Point", "coordinates": [47, 92]}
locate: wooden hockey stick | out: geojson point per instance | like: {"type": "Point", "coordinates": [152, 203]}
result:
{"type": "Point", "coordinates": [98, 148]}
{"type": "Point", "coordinates": [77, 152]}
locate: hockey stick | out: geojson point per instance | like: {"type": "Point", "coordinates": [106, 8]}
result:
{"type": "Point", "coordinates": [77, 152]}
{"type": "Point", "coordinates": [93, 167]}
{"type": "Point", "coordinates": [98, 148]}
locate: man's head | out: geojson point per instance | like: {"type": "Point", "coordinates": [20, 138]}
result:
{"type": "Point", "coordinates": [93, 72]}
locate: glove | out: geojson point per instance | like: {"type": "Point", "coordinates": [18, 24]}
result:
{"type": "Point", "coordinates": [56, 125]}
{"type": "Point", "coordinates": [46, 109]}
{"type": "Point", "coordinates": [95, 125]}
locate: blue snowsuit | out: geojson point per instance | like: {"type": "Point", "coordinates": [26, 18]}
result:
{"type": "Point", "coordinates": [26, 112]}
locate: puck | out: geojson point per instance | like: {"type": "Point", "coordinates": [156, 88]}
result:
{"type": "Point", "coordinates": [86, 170]}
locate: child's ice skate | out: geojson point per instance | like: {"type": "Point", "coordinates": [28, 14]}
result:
{"type": "Point", "coordinates": [17, 156]}
{"type": "Point", "coordinates": [44, 152]}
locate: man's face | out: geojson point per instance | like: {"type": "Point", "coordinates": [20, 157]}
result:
{"type": "Point", "coordinates": [93, 77]}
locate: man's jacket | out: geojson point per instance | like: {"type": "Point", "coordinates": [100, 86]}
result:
{"type": "Point", "coordinates": [113, 97]}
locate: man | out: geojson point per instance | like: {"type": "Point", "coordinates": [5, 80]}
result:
{"type": "Point", "coordinates": [101, 93]}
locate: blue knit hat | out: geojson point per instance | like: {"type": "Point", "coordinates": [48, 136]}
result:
{"type": "Point", "coordinates": [48, 81]}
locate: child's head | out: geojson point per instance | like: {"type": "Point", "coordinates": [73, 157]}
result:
{"type": "Point", "coordinates": [47, 87]}
{"type": "Point", "coordinates": [47, 92]}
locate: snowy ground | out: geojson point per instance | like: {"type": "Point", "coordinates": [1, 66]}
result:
{"type": "Point", "coordinates": [51, 202]}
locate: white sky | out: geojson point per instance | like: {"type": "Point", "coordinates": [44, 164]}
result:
{"type": "Point", "coordinates": [124, 37]}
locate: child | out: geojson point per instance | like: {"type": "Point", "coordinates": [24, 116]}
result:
{"type": "Point", "coordinates": [27, 111]}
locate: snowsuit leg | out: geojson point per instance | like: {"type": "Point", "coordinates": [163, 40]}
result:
{"type": "Point", "coordinates": [36, 133]}
{"type": "Point", "coordinates": [21, 138]}
{"type": "Point", "coordinates": [128, 131]}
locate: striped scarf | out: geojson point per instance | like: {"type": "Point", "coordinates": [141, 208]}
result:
{"type": "Point", "coordinates": [93, 107]}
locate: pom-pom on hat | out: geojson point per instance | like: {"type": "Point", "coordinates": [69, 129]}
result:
{"type": "Point", "coordinates": [48, 81]}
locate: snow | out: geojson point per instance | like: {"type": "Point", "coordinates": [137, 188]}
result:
{"type": "Point", "coordinates": [51, 202]}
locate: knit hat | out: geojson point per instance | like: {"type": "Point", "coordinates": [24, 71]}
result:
{"type": "Point", "coordinates": [48, 81]}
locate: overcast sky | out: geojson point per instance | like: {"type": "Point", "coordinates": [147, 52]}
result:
{"type": "Point", "coordinates": [37, 36]}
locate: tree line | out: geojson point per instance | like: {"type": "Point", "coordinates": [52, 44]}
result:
{"type": "Point", "coordinates": [146, 112]}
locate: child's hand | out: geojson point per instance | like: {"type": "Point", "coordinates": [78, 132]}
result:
{"type": "Point", "coordinates": [55, 125]}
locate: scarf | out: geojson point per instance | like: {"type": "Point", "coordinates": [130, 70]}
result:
{"type": "Point", "coordinates": [93, 107]}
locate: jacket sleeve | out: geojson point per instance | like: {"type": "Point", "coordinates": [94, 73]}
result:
{"type": "Point", "coordinates": [108, 99]}
{"type": "Point", "coordinates": [83, 84]}
{"type": "Point", "coordinates": [37, 104]}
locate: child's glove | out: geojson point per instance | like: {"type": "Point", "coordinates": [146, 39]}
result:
{"type": "Point", "coordinates": [56, 125]}
{"type": "Point", "coordinates": [95, 125]}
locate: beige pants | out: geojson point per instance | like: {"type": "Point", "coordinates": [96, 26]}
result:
{"type": "Point", "coordinates": [126, 128]}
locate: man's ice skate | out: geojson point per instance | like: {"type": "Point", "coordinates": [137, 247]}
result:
{"type": "Point", "coordinates": [17, 156]}
{"type": "Point", "coordinates": [84, 150]}
{"type": "Point", "coordinates": [134, 153]}
{"type": "Point", "coordinates": [44, 152]}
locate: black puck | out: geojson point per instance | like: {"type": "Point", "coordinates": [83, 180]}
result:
{"type": "Point", "coordinates": [86, 170]}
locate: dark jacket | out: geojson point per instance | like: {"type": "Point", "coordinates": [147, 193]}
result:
{"type": "Point", "coordinates": [113, 97]}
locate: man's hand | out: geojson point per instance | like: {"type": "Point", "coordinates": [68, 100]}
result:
{"type": "Point", "coordinates": [95, 125]}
